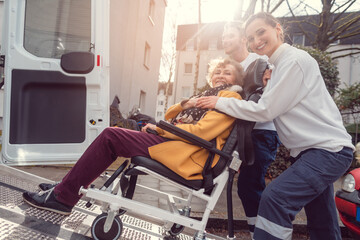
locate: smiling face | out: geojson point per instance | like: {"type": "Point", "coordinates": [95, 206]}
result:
{"type": "Point", "coordinates": [223, 75]}
{"type": "Point", "coordinates": [263, 38]}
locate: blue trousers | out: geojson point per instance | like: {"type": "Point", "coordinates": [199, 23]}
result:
{"type": "Point", "coordinates": [307, 183]}
{"type": "Point", "coordinates": [251, 181]}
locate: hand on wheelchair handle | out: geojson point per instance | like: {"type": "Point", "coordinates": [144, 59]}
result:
{"type": "Point", "coordinates": [149, 130]}
{"type": "Point", "coordinates": [149, 126]}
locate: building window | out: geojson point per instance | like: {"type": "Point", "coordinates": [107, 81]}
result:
{"type": "Point", "coordinates": [159, 114]}
{"type": "Point", "coordinates": [151, 11]}
{"type": "Point", "coordinates": [147, 55]}
{"type": "Point", "coordinates": [160, 102]}
{"type": "Point", "coordinates": [188, 68]}
{"type": "Point", "coordinates": [299, 39]}
{"type": "Point", "coordinates": [213, 42]}
{"type": "Point", "coordinates": [190, 45]}
{"type": "Point", "coordinates": [142, 99]}
{"type": "Point", "coordinates": [185, 92]}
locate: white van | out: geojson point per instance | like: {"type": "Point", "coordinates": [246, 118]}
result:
{"type": "Point", "coordinates": [56, 92]}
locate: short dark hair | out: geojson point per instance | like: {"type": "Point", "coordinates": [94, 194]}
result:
{"type": "Point", "coordinates": [238, 25]}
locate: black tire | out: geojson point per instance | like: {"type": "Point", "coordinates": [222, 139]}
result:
{"type": "Point", "coordinates": [97, 228]}
{"type": "Point", "coordinates": [176, 229]}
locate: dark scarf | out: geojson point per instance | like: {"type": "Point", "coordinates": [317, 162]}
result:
{"type": "Point", "coordinates": [194, 114]}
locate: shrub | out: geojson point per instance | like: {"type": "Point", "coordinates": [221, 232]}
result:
{"type": "Point", "coordinates": [281, 163]}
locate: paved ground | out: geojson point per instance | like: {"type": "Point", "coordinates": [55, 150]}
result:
{"type": "Point", "coordinates": [218, 216]}
{"type": "Point", "coordinates": [20, 221]}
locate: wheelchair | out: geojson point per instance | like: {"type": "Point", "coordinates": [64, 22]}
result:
{"type": "Point", "coordinates": [117, 192]}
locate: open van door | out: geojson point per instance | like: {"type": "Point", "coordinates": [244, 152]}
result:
{"type": "Point", "coordinates": [56, 79]}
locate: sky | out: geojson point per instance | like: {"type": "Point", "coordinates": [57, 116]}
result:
{"type": "Point", "coordinates": [223, 10]}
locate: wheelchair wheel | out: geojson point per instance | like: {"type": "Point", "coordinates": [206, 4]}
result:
{"type": "Point", "coordinates": [176, 229]}
{"type": "Point", "coordinates": [97, 228]}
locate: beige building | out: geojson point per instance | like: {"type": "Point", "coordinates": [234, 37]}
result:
{"type": "Point", "coordinates": [136, 31]}
{"type": "Point", "coordinates": [186, 56]}
{"type": "Point", "coordinates": [161, 106]}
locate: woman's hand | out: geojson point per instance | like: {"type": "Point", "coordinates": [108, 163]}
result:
{"type": "Point", "coordinates": [150, 126]}
{"type": "Point", "coordinates": [207, 102]}
{"type": "Point", "coordinates": [189, 103]}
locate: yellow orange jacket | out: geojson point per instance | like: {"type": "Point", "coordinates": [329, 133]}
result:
{"type": "Point", "coordinates": [188, 160]}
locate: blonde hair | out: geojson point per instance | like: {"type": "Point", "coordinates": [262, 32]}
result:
{"type": "Point", "coordinates": [221, 63]}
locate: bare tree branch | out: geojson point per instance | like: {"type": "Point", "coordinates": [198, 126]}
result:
{"type": "Point", "coordinates": [345, 55]}
{"type": "Point", "coordinates": [344, 49]}
{"type": "Point", "coordinates": [331, 25]}
{"type": "Point", "coordinates": [250, 10]}
{"type": "Point", "coordinates": [349, 2]}
{"type": "Point", "coordinates": [299, 23]}
{"type": "Point", "coordinates": [197, 63]}
{"type": "Point", "coordinates": [276, 6]}
{"type": "Point", "coordinates": [338, 33]}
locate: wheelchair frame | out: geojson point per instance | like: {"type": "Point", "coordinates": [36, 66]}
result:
{"type": "Point", "coordinates": [178, 214]}
{"type": "Point", "coordinates": [112, 198]}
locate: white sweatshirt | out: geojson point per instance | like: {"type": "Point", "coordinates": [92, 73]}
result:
{"type": "Point", "coordinates": [245, 64]}
{"type": "Point", "coordinates": [304, 114]}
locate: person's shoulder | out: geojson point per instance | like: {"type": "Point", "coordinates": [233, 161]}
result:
{"type": "Point", "coordinates": [253, 56]}
{"type": "Point", "coordinates": [299, 55]}
{"type": "Point", "coordinates": [295, 57]}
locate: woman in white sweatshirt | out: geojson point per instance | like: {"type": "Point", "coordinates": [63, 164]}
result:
{"type": "Point", "coordinates": [308, 123]}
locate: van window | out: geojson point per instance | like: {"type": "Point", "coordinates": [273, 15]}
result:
{"type": "Point", "coordinates": [55, 27]}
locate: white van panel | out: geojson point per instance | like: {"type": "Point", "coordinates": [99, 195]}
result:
{"type": "Point", "coordinates": [56, 79]}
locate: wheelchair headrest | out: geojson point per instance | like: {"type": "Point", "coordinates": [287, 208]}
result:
{"type": "Point", "coordinates": [253, 78]}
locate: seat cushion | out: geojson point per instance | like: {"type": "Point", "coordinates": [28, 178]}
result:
{"type": "Point", "coordinates": [161, 169]}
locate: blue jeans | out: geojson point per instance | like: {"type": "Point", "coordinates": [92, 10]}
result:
{"type": "Point", "coordinates": [251, 181]}
{"type": "Point", "coordinates": [307, 183]}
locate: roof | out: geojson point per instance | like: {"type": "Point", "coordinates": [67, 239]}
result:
{"type": "Point", "coordinates": [309, 24]}
{"type": "Point", "coordinates": [207, 31]}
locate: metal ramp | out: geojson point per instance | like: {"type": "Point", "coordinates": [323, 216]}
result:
{"type": "Point", "coordinates": [19, 221]}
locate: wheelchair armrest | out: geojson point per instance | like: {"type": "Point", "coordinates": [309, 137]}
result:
{"type": "Point", "coordinates": [191, 138]}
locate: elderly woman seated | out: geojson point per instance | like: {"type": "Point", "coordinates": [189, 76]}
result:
{"type": "Point", "coordinates": [164, 147]}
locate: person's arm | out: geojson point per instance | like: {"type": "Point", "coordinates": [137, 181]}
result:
{"type": "Point", "coordinates": [208, 127]}
{"type": "Point", "coordinates": [171, 113]}
{"type": "Point", "coordinates": [288, 90]}
{"type": "Point", "coordinates": [176, 108]}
